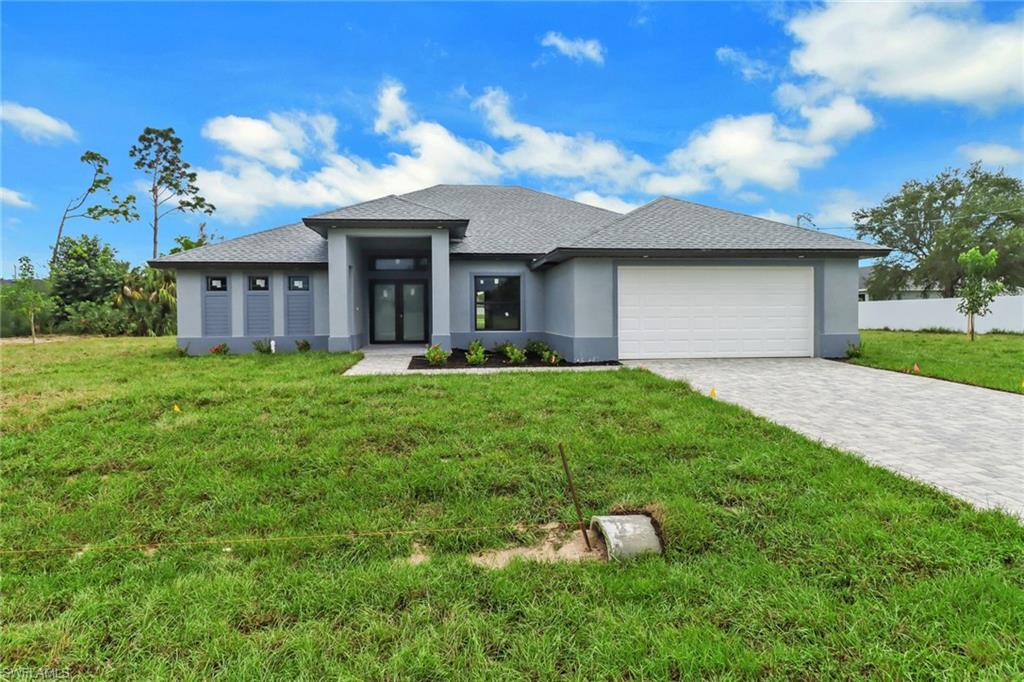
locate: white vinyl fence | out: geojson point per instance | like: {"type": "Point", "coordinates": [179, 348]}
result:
{"type": "Point", "coordinates": [1007, 314]}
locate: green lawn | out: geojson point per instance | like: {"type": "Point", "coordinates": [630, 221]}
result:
{"type": "Point", "coordinates": [992, 360]}
{"type": "Point", "coordinates": [784, 558]}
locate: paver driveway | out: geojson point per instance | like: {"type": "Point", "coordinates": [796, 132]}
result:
{"type": "Point", "coordinates": [964, 439]}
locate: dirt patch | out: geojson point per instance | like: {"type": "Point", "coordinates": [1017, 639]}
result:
{"type": "Point", "coordinates": [457, 360]}
{"type": "Point", "coordinates": [23, 340]}
{"type": "Point", "coordinates": [559, 544]}
{"type": "Point", "coordinates": [419, 555]}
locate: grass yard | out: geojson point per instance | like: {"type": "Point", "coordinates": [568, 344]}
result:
{"type": "Point", "coordinates": [785, 559]}
{"type": "Point", "coordinates": [991, 360]}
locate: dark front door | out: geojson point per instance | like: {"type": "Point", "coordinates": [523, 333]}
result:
{"type": "Point", "coordinates": [398, 311]}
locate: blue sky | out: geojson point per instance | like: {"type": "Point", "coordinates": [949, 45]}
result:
{"type": "Point", "coordinates": [290, 109]}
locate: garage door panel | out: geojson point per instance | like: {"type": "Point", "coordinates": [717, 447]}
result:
{"type": "Point", "coordinates": [720, 311]}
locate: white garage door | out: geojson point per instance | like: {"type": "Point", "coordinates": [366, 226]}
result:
{"type": "Point", "coordinates": [715, 312]}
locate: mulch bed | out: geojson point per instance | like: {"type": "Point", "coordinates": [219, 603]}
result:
{"type": "Point", "coordinates": [457, 360]}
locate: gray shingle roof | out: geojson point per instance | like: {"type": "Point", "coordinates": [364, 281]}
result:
{"type": "Point", "coordinates": [294, 243]}
{"type": "Point", "coordinates": [512, 219]}
{"type": "Point", "coordinates": [391, 207]}
{"type": "Point", "coordinates": [671, 224]}
{"type": "Point", "coordinates": [515, 220]}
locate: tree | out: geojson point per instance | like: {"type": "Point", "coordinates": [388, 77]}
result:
{"type": "Point", "coordinates": [85, 269]}
{"type": "Point", "coordinates": [22, 295]}
{"type": "Point", "coordinates": [929, 224]}
{"type": "Point", "coordinates": [172, 186]}
{"type": "Point", "coordinates": [184, 242]}
{"type": "Point", "coordinates": [119, 209]}
{"type": "Point", "coordinates": [977, 291]}
{"type": "Point", "coordinates": [149, 297]}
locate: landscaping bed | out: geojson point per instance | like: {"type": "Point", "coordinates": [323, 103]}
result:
{"type": "Point", "coordinates": [457, 360]}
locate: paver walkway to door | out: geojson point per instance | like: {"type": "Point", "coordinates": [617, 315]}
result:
{"type": "Point", "coordinates": [966, 440]}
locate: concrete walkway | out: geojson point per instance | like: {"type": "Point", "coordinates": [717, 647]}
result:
{"type": "Point", "coordinates": [966, 440]}
{"type": "Point", "coordinates": [395, 360]}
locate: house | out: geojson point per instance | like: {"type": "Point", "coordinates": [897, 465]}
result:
{"type": "Point", "coordinates": [453, 263]}
{"type": "Point", "coordinates": [913, 290]}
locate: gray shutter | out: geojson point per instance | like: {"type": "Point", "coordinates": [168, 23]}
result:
{"type": "Point", "coordinates": [259, 311]}
{"type": "Point", "coordinates": [298, 311]}
{"type": "Point", "coordinates": [216, 311]}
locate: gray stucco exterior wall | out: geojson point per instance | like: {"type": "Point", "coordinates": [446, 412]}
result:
{"type": "Point", "coordinates": [235, 326]}
{"type": "Point", "coordinates": [571, 306]}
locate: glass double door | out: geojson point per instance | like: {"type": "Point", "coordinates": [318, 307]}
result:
{"type": "Point", "coordinates": [398, 312]}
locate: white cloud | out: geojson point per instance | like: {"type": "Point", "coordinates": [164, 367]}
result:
{"type": "Point", "coordinates": [576, 49]}
{"type": "Point", "coordinates": [992, 154]}
{"type": "Point", "coordinates": [777, 216]}
{"type": "Point", "coordinates": [553, 154]}
{"type": "Point", "coordinates": [611, 203]}
{"type": "Point", "coordinates": [912, 50]}
{"type": "Point", "coordinates": [758, 149]}
{"type": "Point", "coordinates": [34, 124]}
{"type": "Point", "coordinates": [841, 119]}
{"type": "Point", "coordinates": [9, 197]}
{"type": "Point", "coordinates": [246, 184]}
{"type": "Point", "coordinates": [749, 197]}
{"type": "Point", "coordinates": [392, 110]}
{"type": "Point", "coordinates": [837, 207]}
{"type": "Point", "coordinates": [750, 68]}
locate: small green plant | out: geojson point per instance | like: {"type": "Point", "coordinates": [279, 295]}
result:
{"type": "Point", "coordinates": [502, 348]}
{"type": "Point", "coordinates": [262, 346]}
{"type": "Point", "coordinates": [537, 348]}
{"type": "Point", "coordinates": [515, 355]}
{"type": "Point", "coordinates": [475, 354]}
{"type": "Point", "coordinates": [437, 356]}
{"type": "Point", "coordinates": [183, 351]}
{"type": "Point", "coordinates": [854, 350]}
{"type": "Point", "coordinates": [302, 345]}
{"type": "Point", "coordinates": [977, 291]}
{"type": "Point", "coordinates": [219, 349]}
{"type": "Point", "coordinates": [550, 357]}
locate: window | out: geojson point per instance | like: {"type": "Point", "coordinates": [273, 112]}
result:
{"type": "Point", "coordinates": [496, 303]}
{"type": "Point", "coordinates": [216, 283]}
{"type": "Point", "coordinates": [298, 283]}
{"type": "Point", "coordinates": [402, 263]}
{"type": "Point", "coordinates": [259, 283]}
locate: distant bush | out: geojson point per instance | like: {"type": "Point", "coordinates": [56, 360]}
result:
{"type": "Point", "coordinates": [262, 346]}
{"type": "Point", "coordinates": [302, 345]}
{"type": "Point", "coordinates": [502, 348]}
{"type": "Point", "coordinates": [101, 318]}
{"type": "Point", "coordinates": [437, 356]}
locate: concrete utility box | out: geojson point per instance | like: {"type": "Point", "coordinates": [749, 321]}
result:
{"type": "Point", "coordinates": [627, 536]}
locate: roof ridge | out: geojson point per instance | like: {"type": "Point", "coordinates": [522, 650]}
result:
{"type": "Point", "coordinates": [402, 197]}
{"type": "Point", "coordinates": [358, 203]}
{"type": "Point", "coordinates": [619, 217]}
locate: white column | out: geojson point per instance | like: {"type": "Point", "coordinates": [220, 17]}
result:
{"type": "Point", "coordinates": [339, 302]}
{"type": "Point", "coordinates": [236, 290]}
{"type": "Point", "coordinates": [440, 312]}
{"type": "Point", "coordinates": [277, 284]}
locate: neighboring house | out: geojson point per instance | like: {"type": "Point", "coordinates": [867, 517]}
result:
{"type": "Point", "coordinates": [450, 263]}
{"type": "Point", "coordinates": [913, 290]}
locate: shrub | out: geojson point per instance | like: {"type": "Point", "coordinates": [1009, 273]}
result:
{"type": "Point", "coordinates": [262, 346]}
{"type": "Point", "coordinates": [90, 317]}
{"type": "Point", "coordinates": [183, 352]}
{"type": "Point", "coordinates": [550, 357]}
{"type": "Point", "coordinates": [219, 349]}
{"type": "Point", "coordinates": [474, 345]}
{"type": "Point", "coordinates": [515, 355]}
{"type": "Point", "coordinates": [502, 348]}
{"type": "Point", "coordinates": [537, 348]}
{"type": "Point", "coordinates": [475, 354]}
{"type": "Point", "coordinates": [302, 345]}
{"type": "Point", "coordinates": [437, 356]}
{"type": "Point", "coordinates": [854, 350]}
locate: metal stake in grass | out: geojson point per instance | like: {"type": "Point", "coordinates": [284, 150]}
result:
{"type": "Point", "coordinates": [575, 500]}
